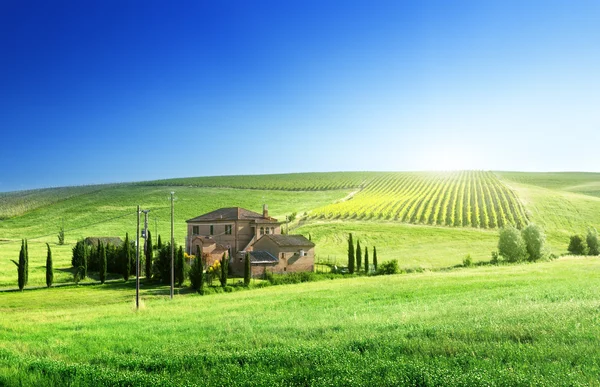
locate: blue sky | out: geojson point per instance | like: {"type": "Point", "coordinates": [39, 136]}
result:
{"type": "Point", "coordinates": [111, 91]}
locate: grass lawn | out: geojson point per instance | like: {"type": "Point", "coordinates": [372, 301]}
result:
{"type": "Point", "coordinates": [531, 324]}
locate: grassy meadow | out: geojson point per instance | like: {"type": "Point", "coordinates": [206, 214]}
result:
{"type": "Point", "coordinates": [532, 324]}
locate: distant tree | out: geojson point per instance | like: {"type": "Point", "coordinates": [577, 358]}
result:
{"type": "Point", "coordinates": [21, 266]}
{"type": "Point", "coordinates": [375, 258]}
{"type": "Point", "coordinates": [224, 270]}
{"type": "Point", "coordinates": [49, 268]}
{"type": "Point", "coordinates": [179, 267]}
{"type": "Point", "coordinates": [159, 244]}
{"type": "Point", "coordinates": [79, 259]}
{"type": "Point", "coordinates": [26, 263]}
{"type": "Point", "coordinates": [161, 267]}
{"type": "Point", "coordinates": [61, 235]}
{"type": "Point", "coordinates": [366, 260]}
{"type": "Point", "coordinates": [534, 241]}
{"type": "Point", "coordinates": [247, 270]}
{"type": "Point", "coordinates": [126, 258]}
{"type": "Point", "coordinates": [511, 245]}
{"type": "Point", "coordinates": [149, 255]}
{"type": "Point", "coordinates": [577, 245]}
{"type": "Point", "coordinates": [592, 242]}
{"type": "Point", "coordinates": [358, 256]}
{"type": "Point", "coordinates": [103, 266]}
{"type": "Point", "coordinates": [350, 254]}
{"type": "Point", "coordinates": [309, 237]}
{"type": "Point", "coordinates": [197, 271]}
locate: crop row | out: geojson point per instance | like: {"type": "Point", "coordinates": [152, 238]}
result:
{"type": "Point", "coordinates": [458, 199]}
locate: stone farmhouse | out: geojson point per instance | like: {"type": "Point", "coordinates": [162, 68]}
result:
{"type": "Point", "coordinates": [237, 231]}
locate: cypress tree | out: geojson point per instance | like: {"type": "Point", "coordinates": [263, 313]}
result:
{"type": "Point", "coordinates": [247, 270]}
{"type": "Point", "coordinates": [366, 260]}
{"type": "Point", "coordinates": [84, 254]}
{"type": "Point", "coordinates": [375, 258]}
{"type": "Point", "coordinates": [26, 269]}
{"type": "Point", "coordinates": [103, 263]}
{"type": "Point", "coordinates": [358, 256]}
{"type": "Point", "coordinates": [350, 255]}
{"type": "Point", "coordinates": [197, 272]}
{"type": "Point", "coordinates": [21, 266]}
{"type": "Point", "coordinates": [49, 268]}
{"type": "Point", "coordinates": [126, 258]}
{"type": "Point", "coordinates": [224, 270]}
{"type": "Point", "coordinates": [159, 243]}
{"type": "Point", "coordinates": [179, 266]}
{"type": "Point", "coordinates": [149, 254]}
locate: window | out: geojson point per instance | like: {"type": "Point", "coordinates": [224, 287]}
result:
{"type": "Point", "coordinates": [267, 231]}
{"type": "Point", "coordinates": [262, 231]}
{"type": "Point", "coordinates": [228, 229]}
{"type": "Point", "coordinates": [211, 230]}
{"type": "Point", "coordinates": [195, 230]}
{"type": "Point", "coordinates": [282, 255]}
{"type": "Point", "coordinates": [272, 230]}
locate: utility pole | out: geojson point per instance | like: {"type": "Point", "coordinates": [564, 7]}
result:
{"type": "Point", "coordinates": [137, 261]}
{"type": "Point", "coordinates": [172, 248]}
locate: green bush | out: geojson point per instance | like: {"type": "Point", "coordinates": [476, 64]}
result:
{"type": "Point", "coordinates": [468, 261]}
{"type": "Point", "coordinates": [389, 267]}
{"type": "Point", "coordinates": [534, 241]}
{"type": "Point", "coordinates": [577, 245]}
{"type": "Point", "coordinates": [592, 242]}
{"type": "Point", "coordinates": [511, 245]}
{"type": "Point", "coordinates": [495, 258]}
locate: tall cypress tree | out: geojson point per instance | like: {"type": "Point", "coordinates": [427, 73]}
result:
{"type": "Point", "coordinates": [247, 270]}
{"type": "Point", "coordinates": [366, 260]}
{"type": "Point", "coordinates": [350, 255]}
{"type": "Point", "coordinates": [26, 263]}
{"type": "Point", "coordinates": [224, 270]}
{"type": "Point", "coordinates": [197, 272]}
{"type": "Point", "coordinates": [375, 258]}
{"type": "Point", "coordinates": [159, 243]}
{"type": "Point", "coordinates": [126, 258]}
{"type": "Point", "coordinates": [21, 266]}
{"type": "Point", "coordinates": [179, 266]}
{"type": "Point", "coordinates": [84, 254]}
{"type": "Point", "coordinates": [103, 263]}
{"type": "Point", "coordinates": [358, 256]}
{"type": "Point", "coordinates": [149, 255]}
{"type": "Point", "coordinates": [49, 268]}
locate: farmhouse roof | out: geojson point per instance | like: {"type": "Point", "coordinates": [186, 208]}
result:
{"type": "Point", "coordinates": [206, 240]}
{"type": "Point", "coordinates": [262, 257]}
{"type": "Point", "coordinates": [289, 240]}
{"type": "Point", "coordinates": [232, 213]}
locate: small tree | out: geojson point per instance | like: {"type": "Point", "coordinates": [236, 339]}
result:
{"type": "Point", "coordinates": [534, 241]}
{"type": "Point", "coordinates": [375, 258]}
{"type": "Point", "coordinates": [103, 264]}
{"type": "Point", "coordinates": [197, 272]}
{"type": "Point", "coordinates": [577, 245]}
{"type": "Point", "coordinates": [21, 266]}
{"type": "Point", "coordinates": [366, 260]}
{"type": "Point", "coordinates": [358, 256]}
{"type": "Point", "coordinates": [592, 242]}
{"type": "Point", "coordinates": [224, 270]}
{"type": "Point", "coordinates": [511, 245]}
{"type": "Point", "coordinates": [159, 244]}
{"type": "Point", "coordinates": [179, 266]}
{"type": "Point", "coordinates": [49, 268]}
{"type": "Point", "coordinates": [61, 235]}
{"type": "Point", "coordinates": [149, 255]}
{"type": "Point", "coordinates": [247, 270]}
{"type": "Point", "coordinates": [350, 254]}
{"type": "Point", "coordinates": [126, 258]}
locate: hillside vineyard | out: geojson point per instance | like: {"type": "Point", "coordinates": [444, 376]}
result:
{"type": "Point", "coordinates": [459, 199]}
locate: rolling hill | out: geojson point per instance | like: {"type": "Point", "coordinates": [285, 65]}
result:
{"type": "Point", "coordinates": [423, 219]}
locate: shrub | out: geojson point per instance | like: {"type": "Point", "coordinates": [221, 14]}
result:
{"type": "Point", "coordinates": [495, 257]}
{"type": "Point", "coordinates": [389, 267]}
{"type": "Point", "coordinates": [592, 242]}
{"type": "Point", "coordinates": [577, 245]}
{"type": "Point", "coordinates": [197, 272]}
{"type": "Point", "coordinates": [534, 241]}
{"type": "Point", "coordinates": [511, 245]}
{"type": "Point", "coordinates": [468, 261]}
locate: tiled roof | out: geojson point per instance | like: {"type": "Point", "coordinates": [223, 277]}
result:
{"type": "Point", "coordinates": [206, 240]}
{"type": "Point", "coordinates": [231, 213]}
{"type": "Point", "coordinates": [257, 257]}
{"type": "Point", "coordinates": [289, 240]}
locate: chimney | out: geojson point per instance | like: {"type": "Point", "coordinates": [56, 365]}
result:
{"type": "Point", "coordinates": [265, 211]}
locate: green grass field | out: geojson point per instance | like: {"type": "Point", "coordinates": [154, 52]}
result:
{"type": "Point", "coordinates": [527, 325]}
